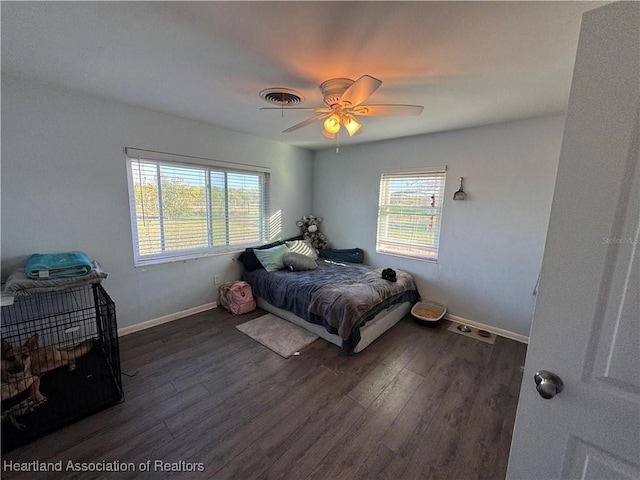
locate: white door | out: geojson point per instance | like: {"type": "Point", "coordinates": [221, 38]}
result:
{"type": "Point", "coordinates": [586, 327]}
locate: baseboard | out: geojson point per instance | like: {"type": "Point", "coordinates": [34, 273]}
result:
{"type": "Point", "coordinates": [165, 319]}
{"type": "Point", "coordinates": [481, 326]}
{"type": "Point", "coordinates": [208, 306]}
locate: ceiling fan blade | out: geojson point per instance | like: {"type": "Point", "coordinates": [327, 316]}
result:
{"type": "Point", "coordinates": [360, 90]}
{"type": "Point", "coordinates": [308, 121]}
{"type": "Point", "coordinates": [387, 110]}
{"type": "Point", "coordinates": [310, 109]}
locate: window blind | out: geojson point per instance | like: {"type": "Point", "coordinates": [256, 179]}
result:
{"type": "Point", "coordinates": [182, 210]}
{"type": "Point", "coordinates": [410, 213]}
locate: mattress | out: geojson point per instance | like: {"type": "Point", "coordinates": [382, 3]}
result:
{"type": "Point", "coordinates": [341, 298]}
{"type": "Point", "coordinates": [368, 333]}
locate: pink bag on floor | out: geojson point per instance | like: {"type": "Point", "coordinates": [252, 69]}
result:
{"type": "Point", "coordinates": [237, 298]}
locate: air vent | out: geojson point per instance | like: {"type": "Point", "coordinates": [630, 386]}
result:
{"type": "Point", "coordinates": [282, 97]}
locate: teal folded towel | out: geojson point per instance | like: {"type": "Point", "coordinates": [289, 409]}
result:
{"type": "Point", "coordinates": [58, 265]}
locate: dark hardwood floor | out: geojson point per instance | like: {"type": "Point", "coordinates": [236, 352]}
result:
{"type": "Point", "coordinates": [418, 403]}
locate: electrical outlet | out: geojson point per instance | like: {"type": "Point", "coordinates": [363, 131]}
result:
{"type": "Point", "coordinates": [216, 279]}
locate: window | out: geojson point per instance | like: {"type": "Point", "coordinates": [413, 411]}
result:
{"type": "Point", "coordinates": [410, 212]}
{"type": "Point", "coordinates": [184, 210]}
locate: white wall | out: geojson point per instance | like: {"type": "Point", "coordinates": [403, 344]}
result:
{"type": "Point", "coordinates": [491, 244]}
{"type": "Point", "coordinates": [64, 187]}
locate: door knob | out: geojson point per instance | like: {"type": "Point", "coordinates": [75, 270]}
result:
{"type": "Point", "coordinates": [548, 384]}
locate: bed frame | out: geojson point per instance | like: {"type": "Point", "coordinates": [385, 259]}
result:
{"type": "Point", "coordinates": [372, 330]}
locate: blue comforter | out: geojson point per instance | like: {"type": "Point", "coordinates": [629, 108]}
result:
{"type": "Point", "coordinates": [341, 297]}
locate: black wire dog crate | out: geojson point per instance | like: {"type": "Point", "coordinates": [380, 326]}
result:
{"type": "Point", "coordinates": [60, 361]}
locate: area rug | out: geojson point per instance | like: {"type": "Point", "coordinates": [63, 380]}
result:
{"type": "Point", "coordinates": [473, 333]}
{"type": "Point", "coordinates": [276, 334]}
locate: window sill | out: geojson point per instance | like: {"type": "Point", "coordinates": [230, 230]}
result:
{"type": "Point", "coordinates": [409, 257]}
{"type": "Point", "coordinates": [186, 257]}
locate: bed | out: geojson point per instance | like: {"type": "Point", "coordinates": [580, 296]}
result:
{"type": "Point", "coordinates": [348, 304]}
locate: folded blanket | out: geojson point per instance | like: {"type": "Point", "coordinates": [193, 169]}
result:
{"type": "Point", "coordinates": [57, 265]}
{"type": "Point", "coordinates": [19, 285]}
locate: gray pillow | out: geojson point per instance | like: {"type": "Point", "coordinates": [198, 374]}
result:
{"type": "Point", "coordinates": [298, 262]}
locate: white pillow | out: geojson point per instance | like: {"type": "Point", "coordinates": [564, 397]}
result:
{"type": "Point", "coordinates": [271, 258]}
{"type": "Point", "coordinates": [303, 247]}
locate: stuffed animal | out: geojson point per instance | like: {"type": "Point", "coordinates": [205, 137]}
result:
{"type": "Point", "coordinates": [309, 224]}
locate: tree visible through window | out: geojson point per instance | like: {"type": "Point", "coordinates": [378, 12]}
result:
{"type": "Point", "coordinates": [410, 212]}
{"type": "Point", "coordinates": [181, 210]}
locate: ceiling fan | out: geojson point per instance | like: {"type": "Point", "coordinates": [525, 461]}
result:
{"type": "Point", "coordinates": [343, 99]}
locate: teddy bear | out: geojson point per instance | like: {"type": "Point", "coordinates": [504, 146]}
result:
{"type": "Point", "coordinates": [309, 224]}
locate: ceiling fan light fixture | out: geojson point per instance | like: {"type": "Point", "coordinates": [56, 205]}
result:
{"type": "Point", "coordinates": [343, 99]}
{"type": "Point", "coordinates": [332, 124]}
{"type": "Point", "coordinates": [328, 134]}
{"type": "Point", "coordinates": [351, 124]}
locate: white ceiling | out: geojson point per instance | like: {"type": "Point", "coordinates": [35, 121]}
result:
{"type": "Point", "coordinates": [468, 63]}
